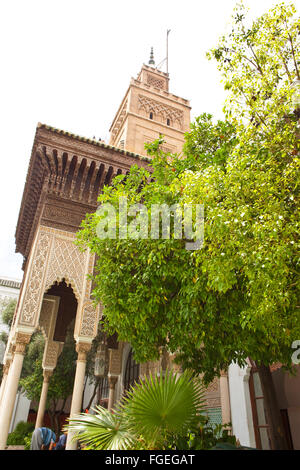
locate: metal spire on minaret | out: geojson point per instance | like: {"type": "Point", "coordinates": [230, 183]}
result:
{"type": "Point", "coordinates": [151, 61]}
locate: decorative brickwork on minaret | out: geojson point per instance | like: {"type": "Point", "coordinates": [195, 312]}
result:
{"type": "Point", "coordinates": [148, 110]}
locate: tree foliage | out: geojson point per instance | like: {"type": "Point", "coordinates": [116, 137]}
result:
{"type": "Point", "coordinates": [8, 312]}
{"type": "Point", "coordinates": [259, 62]}
{"type": "Point", "coordinates": [61, 382]}
{"type": "Point", "coordinates": [148, 286]}
{"type": "Point", "coordinates": [7, 309]}
{"type": "Point", "coordinates": [237, 296]}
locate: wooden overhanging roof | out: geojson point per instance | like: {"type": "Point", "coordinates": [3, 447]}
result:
{"type": "Point", "coordinates": [70, 168]}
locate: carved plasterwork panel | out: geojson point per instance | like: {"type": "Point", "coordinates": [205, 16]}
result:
{"type": "Point", "coordinates": [54, 258]}
{"type": "Point", "coordinates": [61, 216]}
{"type": "Point", "coordinates": [213, 387]}
{"type": "Point", "coordinates": [213, 402]}
{"type": "Point", "coordinates": [66, 261]}
{"type": "Point", "coordinates": [160, 109]}
{"type": "Point", "coordinates": [156, 82]}
{"type": "Point", "coordinates": [45, 317]}
{"type": "Point", "coordinates": [213, 394]}
{"type": "Point", "coordinates": [89, 320]}
{"type": "Point", "coordinates": [90, 313]}
{"type": "Point", "coordinates": [51, 354]}
{"type": "Point", "coordinates": [31, 302]}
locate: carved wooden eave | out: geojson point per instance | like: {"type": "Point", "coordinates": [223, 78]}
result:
{"type": "Point", "coordinates": [65, 176]}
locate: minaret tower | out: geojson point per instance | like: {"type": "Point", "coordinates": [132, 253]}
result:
{"type": "Point", "coordinates": [148, 110]}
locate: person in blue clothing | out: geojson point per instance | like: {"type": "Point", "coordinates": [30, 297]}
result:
{"type": "Point", "coordinates": [61, 445]}
{"type": "Point", "coordinates": [42, 439]}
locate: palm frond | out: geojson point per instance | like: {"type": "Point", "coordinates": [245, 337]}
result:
{"type": "Point", "coordinates": [101, 431]}
{"type": "Point", "coordinates": [163, 404]}
{"type": "Point", "coordinates": [153, 409]}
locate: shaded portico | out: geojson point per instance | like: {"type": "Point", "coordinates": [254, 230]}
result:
{"type": "Point", "coordinates": [51, 314]}
{"type": "Point", "coordinates": [65, 175]}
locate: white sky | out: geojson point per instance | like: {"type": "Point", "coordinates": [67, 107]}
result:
{"type": "Point", "coordinates": [68, 63]}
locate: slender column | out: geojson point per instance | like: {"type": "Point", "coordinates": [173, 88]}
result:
{"type": "Point", "coordinates": [43, 399]}
{"type": "Point", "coordinates": [114, 370]}
{"type": "Point", "coordinates": [11, 387]}
{"type": "Point", "coordinates": [225, 398]}
{"type": "Point", "coordinates": [112, 380]}
{"type": "Point", "coordinates": [3, 383]}
{"type": "Point", "coordinates": [82, 349]}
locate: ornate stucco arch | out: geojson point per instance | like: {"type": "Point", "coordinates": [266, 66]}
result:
{"type": "Point", "coordinates": [68, 280]}
{"type": "Point", "coordinates": [54, 257]}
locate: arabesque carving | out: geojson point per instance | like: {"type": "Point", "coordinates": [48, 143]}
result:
{"type": "Point", "coordinates": [89, 320]}
{"type": "Point", "coordinates": [45, 317]}
{"type": "Point", "coordinates": [51, 354]}
{"type": "Point", "coordinates": [82, 349]}
{"type": "Point", "coordinates": [55, 257]}
{"type": "Point", "coordinates": [66, 261]}
{"type": "Point", "coordinates": [31, 304]}
{"type": "Point", "coordinates": [163, 110]}
{"type": "Point", "coordinates": [22, 339]}
{"type": "Point", "coordinates": [156, 82]}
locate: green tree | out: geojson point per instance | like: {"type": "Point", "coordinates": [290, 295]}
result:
{"type": "Point", "coordinates": [7, 310]}
{"type": "Point", "coordinates": [208, 143]}
{"type": "Point", "coordinates": [237, 296]}
{"type": "Point", "coordinates": [149, 286]}
{"type": "Point", "coordinates": [61, 382]}
{"type": "Point", "coordinates": [260, 63]}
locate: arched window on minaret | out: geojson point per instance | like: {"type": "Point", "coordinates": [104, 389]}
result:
{"type": "Point", "coordinates": [151, 115]}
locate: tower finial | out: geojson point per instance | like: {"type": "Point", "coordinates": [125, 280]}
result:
{"type": "Point", "coordinates": [151, 61]}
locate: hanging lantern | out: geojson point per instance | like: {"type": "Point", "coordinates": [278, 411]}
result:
{"type": "Point", "coordinates": [100, 363]}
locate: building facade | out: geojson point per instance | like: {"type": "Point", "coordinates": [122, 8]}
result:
{"type": "Point", "coordinates": [65, 175]}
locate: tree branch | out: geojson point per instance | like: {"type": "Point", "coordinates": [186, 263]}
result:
{"type": "Point", "coordinates": [293, 53]}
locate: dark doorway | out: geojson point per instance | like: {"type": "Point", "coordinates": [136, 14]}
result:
{"type": "Point", "coordinates": [132, 371]}
{"type": "Point", "coordinates": [67, 308]}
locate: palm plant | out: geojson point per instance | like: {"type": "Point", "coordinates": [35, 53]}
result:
{"type": "Point", "coordinates": [159, 407]}
{"type": "Point", "coordinates": [101, 431]}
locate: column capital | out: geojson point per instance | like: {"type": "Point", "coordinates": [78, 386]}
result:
{"type": "Point", "coordinates": [22, 339]}
{"type": "Point", "coordinates": [47, 373]}
{"type": "Point", "coordinates": [224, 373]}
{"type": "Point", "coordinates": [6, 364]}
{"type": "Point", "coordinates": [112, 380]}
{"type": "Point", "coordinates": [82, 349]}
{"type": "Point", "coordinates": [6, 368]}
